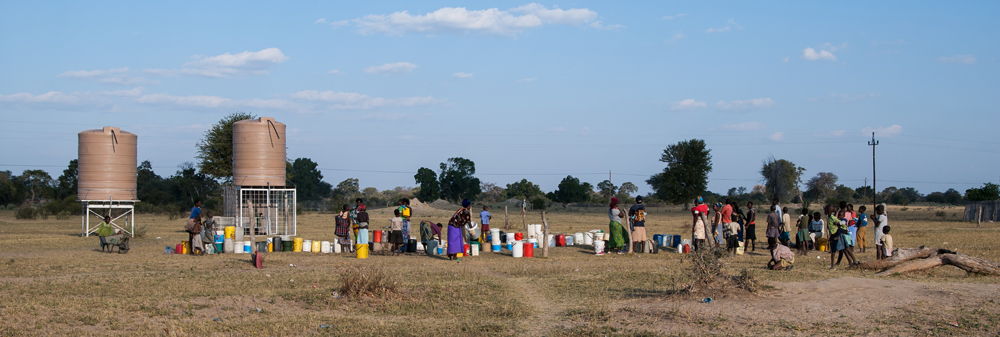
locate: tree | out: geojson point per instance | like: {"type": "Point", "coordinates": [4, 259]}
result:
{"type": "Point", "coordinates": [308, 180]}
{"type": "Point", "coordinates": [607, 190]}
{"type": "Point", "coordinates": [841, 193]}
{"type": "Point", "coordinates": [626, 190]}
{"type": "Point", "coordinates": [491, 192]}
{"type": "Point", "coordinates": [571, 190]}
{"type": "Point", "coordinates": [781, 178]}
{"type": "Point", "coordinates": [12, 191]}
{"type": "Point", "coordinates": [686, 174]}
{"type": "Point", "coordinates": [68, 181]}
{"type": "Point", "coordinates": [150, 187]}
{"type": "Point", "coordinates": [191, 185]}
{"type": "Point", "coordinates": [430, 189]}
{"type": "Point", "coordinates": [821, 186]}
{"type": "Point", "coordinates": [215, 151]}
{"type": "Point", "coordinates": [347, 189]}
{"type": "Point", "coordinates": [864, 194]}
{"type": "Point", "coordinates": [952, 196]}
{"type": "Point", "coordinates": [37, 182]}
{"type": "Point", "coordinates": [458, 180]}
{"type": "Point", "coordinates": [523, 189]}
{"type": "Point", "coordinates": [989, 191]}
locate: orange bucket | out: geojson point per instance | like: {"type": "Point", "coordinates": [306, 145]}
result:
{"type": "Point", "coordinates": [378, 236]}
{"type": "Point", "coordinates": [529, 250]}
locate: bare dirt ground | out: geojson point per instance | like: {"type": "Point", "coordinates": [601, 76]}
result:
{"type": "Point", "coordinates": [55, 283]}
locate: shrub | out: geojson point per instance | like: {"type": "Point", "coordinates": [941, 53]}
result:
{"type": "Point", "coordinates": [25, 213]}
{"type": "Point", "coordinates": [368, 281]}
{"type": "Point", "coordinates": [141, 230]}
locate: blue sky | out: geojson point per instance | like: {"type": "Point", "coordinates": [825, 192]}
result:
{"type": "Point", "coordinates": [526, 90]}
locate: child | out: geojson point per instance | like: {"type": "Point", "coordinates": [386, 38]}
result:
{"type": "Point", "coordinates": [342, 230]}
{"type": "Point", "coordinates": [396, 237]}
{"type": "Point", "coordinates": [862, 222]}
{"type": "Point", "coordinates": [802, 235]}
{"type": "Point", "coordinates": [405, 212]}
{"type": "Point", "coordinates": [887, 241]}
{"type": "Point", "coordinates": [786, 224]}
{"type": "Point", "coordinates": [817, 227]}
{"type": "Point", "coordinates": [880, 222]}
{"type": "Point", "coordinates": [361, 216]}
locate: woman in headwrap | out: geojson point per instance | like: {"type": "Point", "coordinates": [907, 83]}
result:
{"type": "Point", "coordinates": [428, 230]}
{"type": "Point", "coordinates": [698, 225]}
{"type": "Point", "coordinates": [461, 218]}
{"type": "Point", "coordinates": [617, 241]}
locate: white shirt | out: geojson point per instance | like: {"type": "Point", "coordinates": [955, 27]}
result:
{"type": "Point", "coordinates": [882, 222]}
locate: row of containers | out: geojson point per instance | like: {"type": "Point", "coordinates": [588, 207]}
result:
{"type": "Point", "coordinates": [231, 240]}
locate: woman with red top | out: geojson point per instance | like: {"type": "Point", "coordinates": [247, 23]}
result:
{"type": "Point", "coordinates": [698, 226]}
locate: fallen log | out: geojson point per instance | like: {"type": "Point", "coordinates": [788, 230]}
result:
{"type": "Point", "coordinates": [928, 263]}
{"type": "Point", "coordinates": [901, 255]}
{"type": "Point", "coordinates": [971, 264]}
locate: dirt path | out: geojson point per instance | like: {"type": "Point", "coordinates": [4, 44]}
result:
{"type": "Point", "coordinates": [546, 310]}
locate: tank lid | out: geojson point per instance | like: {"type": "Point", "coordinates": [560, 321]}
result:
{"type": "Point", "coordinates": [108, 130]}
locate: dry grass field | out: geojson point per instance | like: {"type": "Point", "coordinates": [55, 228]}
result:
{"type": "Point", "coordinates": [56, 283]}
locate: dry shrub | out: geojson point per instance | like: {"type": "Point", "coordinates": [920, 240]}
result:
{"type": "Point", "coordinates": [25, 213]}
{"type": "Point", "coordinates": [707, 274]}
{"type": "Point", "coordinates": [371, 281]}
{"type": "Point", "coordinates": [141, 231]}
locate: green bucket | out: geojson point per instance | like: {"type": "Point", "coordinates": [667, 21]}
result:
{"type": "Point", "coordinates": [287, 246]}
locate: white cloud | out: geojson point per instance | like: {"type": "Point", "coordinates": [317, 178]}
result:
{"type": "Point", "coordinates": [964, 59]}
{"type": "Point", "coordinates": [111, 76]}
{"type": "Point", "coordinates": [391, 68]}
{"type": "Point", "coordinates": [461, 75]}
{"type": "Point", "coordinates": [884, 131]}
{"type": "Point", "coordinates": [321, 20]}
{"type": "Point", "coordinates": [53, 99]}
{"type": "Point", "coordinates": [204, 101]}
{"type": "Point", "coordinates": [763, 102]}
{"type": "Point", "coordinates": [228, 65]}
{"type": "Point", "coordinates": [676, 38]}
{"type": "Point", "coordinates": [811, 55]}
{"type": "Point", "coordinates": [599, 25]}
{"type": "Point", "coordinates": [785, 60]}
{"type": "Point", "coordinates": [334, 72]}
{"type": "Point", "coordinates": [459, 19]}
{"type": "Point", "coordinates": [833, 47]}
{"type": "Point", "coordinates": [686, 104]}
{"type": "Point", "coordinates": [529, 79]}
{"type": "Point", "coordinates": [776, 136]}
{"type": "Point", "coordinates": [338, 24]}
{"type": "Point", "coordinates": [356, 101]}
{"type": "Point", "coordinates": [729, 26]}
{"type": "Point", "coordinates": [745, 126]}
{"type": "Point", "coordinates": [127, 93]}
{"type": "Point", "coordinates": [671, 17]}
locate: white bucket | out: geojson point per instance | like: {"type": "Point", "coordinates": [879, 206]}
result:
{"type": "Point", "coordinates": [510, 238]}
{"type": "Point", "coordinates": [533, 242]}
{"type": "Point", "coordinates": [336, 246]}
{"type": "Point", "coordinates": [570, 239]}
{"type": "Point", "coordinates": [239, 234]}
{"type": "Point", "coordinates": [599, 247]}
{"type": "Point", "coordinates": [420, 247]}
{"type": "Point", "coordinates": [588, 238]}
{"type": "Point", "coordinates": [518, 249]}
{"type": "Point", "coordinates": [307, 245]}
{"type": "Point", "coordinates": [474, 249]}
{"type": "Point", "coordinates": [494, 236]}
{"type": "Point", "coordinates": [680, 248]}
{"type": "Point", "coordinates": [552, 240]}
{"type": "Point", "coordinates": [228, 246]}
{"type": "Point", "coordinates": [531, 232]}
{"type": "Point", "coordinates": [578, 239]}
{"type": "Point", "coordinates": [247, 247]}
{"type": "Point", "coordinates": [324, 247]}
{"type": "Point", "coordinates": [539, 230]}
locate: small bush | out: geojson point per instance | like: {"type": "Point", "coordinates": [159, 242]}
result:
{"type": "Point", "coordinates": [368, 281]}
{"type": "Point", "coordinates": [904, 209]}
{"type": "Point", "coordinates": [141, 231]}
{"type": "Point", "coordinates": [25, 213]}
{"type": "Point", "coordinates": [940, 213]}
{"type": "Point", "coordinates": [746, 280]}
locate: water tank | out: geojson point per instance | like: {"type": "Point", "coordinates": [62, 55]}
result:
{"type": "Point", "coordinates": [107, 164]}
{"type": "Point", "coordinates": [258, 152]}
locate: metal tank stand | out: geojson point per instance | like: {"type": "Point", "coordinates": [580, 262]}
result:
{"type": "Point", "coordinates": [118, 210]}
{"type": "Point", "coordinates": [262, 209]}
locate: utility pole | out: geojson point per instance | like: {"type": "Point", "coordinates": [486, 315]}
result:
{"type": "Point", "coordinates": [873, 143]}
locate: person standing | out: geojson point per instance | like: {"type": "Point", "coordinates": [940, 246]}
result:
{"type": "Point", "coordinates": [104, 230]}
{"type": "Point", "coordinates": [717, 225]}
{"type": "Point", "coordinates": [343, 229]}
{"type": "Point", "coordinates": [802, 234]}
{"type": "Point", "coordinates": [750, 234]}
{"type": "Point", "coordinates": [881, 220]}
{"type": "Point", "coordinates": [617, 241]}
{"type": "Point", "coordinates": [699, 215]}
{"type": "Point", "coordinates": [838, 237]}
{"type": "Point", "coordinates": [361, 217]}
{"type": "Point", "coordinates": [396, 236]}
{"type": "Point", "coordinates": [484, 218]}
{"type": "Point", "coordinates": [638, 215]}
{"type": "Point", "coordinates": [406, 213]}
{"type": "Point", "coordinates": [786, 224]}
{"type": "Point", "coordinates": [208, 229]}
{"type": "Point", "coordinates": [773, 228]}
{"type": "Point", "coordinates": [461, 218]}
{"type": "Point", "coordinates": [862, 222]}
{"type": "Point", "coordinates": [194, 237]}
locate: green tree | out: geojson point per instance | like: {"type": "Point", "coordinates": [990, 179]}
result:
{"type": "Point", "coordinates": [347, 189]}
{"type": "Point", "coordinates": [12, 191]}
{"type": "Point", "coordinates": [841, 193]}
{"type": "Point", "coordinates": [821, 186]}
{"type": "Point", "coordinates": [523, 189]}
{"type": "Point", "coordinates": [686, 174]}
{"type": "Point", "coordinates": [37, 182]}
{"type": "Point", "coordinates": [190, 185]}
{"type": "Point", "coordinates": [430, 189]}
{"type": "Point", "coordinates": [781, 178]}
{"type": "Point", "coordinates": [989, 191]}
{"type": "Point", "coordinates": [626, 190]}
{"type": "Point", "coordinates": [458, 180]}
{"type": "Point", "coordinates": [491, 193]}
{"type": "Point", "coordinates": [607, 190]}
{"type": "Point", "coordinates": [215, 151]}
{"type": "Point", "coordinates": [150, 187]}
{"type": "Point", "coordinates": [68, 181]}
{"type": "Point", "coordinates": [571, 190]}
{"type": "Point", "coordinates": [308, 180]}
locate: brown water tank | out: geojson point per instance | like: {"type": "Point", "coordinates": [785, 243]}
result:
{"type": "Point", "coordinates": [107, 165]}
{"type": "Point", "coordinates": [258, 152]}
